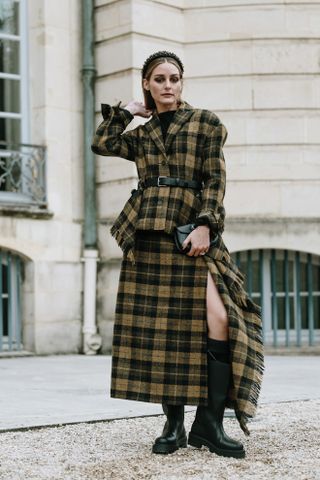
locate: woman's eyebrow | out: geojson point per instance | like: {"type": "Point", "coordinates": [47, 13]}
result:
{"type": "Point", "coordinates": [162, 75]}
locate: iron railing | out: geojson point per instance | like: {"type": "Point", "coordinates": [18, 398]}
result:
{"type": "Point", "coordinates": [286, 284]}
{"type": "Point", "coordinates": [23, 174]}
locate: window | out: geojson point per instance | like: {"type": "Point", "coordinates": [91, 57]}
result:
{"type": "Point", "coordinates": [286, 284]}
{"type": "Point", "coordinates": [10, 316]}
{"type": "Point", "coordinates": [14, 109]}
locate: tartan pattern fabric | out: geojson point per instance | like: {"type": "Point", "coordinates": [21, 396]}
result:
{"type": "Point", "coordinates": [160, 333]}
{"type": "Point", "coordinates": [192, 150]}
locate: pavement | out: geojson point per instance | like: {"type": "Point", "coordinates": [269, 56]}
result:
{"type": "Point", "coordinates": [69, 397]}
{"type": "Point", "coordinates": [40, 391]}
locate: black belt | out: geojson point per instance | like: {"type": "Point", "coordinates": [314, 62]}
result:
{"type": "Point", "coordinates": [170, 182]}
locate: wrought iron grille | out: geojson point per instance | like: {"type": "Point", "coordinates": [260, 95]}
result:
{"type": "Point", "coordinates": [286, 284]}
{"type": "Point", "coordinates": [22, 174]}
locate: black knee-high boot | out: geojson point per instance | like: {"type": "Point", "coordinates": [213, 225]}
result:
{"type": "Point", "coordinates": [174, 434]}
{"type": "Point", "coordinates": [207, 428]}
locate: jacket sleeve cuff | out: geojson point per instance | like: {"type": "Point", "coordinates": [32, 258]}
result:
{"type": "Point", "coordinates": [208, 218]}
{"type": "Point", "coordinates": [124, 114]}
{"type": "Point", "coordinates": [203, 220]}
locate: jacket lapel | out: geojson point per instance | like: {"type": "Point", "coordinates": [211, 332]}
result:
{"type": "Point", "coordinates": [153, 127]}
{"type": "Point", "coordinates": [181, 116]}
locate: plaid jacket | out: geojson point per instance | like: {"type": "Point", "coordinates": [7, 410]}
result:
{"type": "Point", "coordinates": [192, 151]}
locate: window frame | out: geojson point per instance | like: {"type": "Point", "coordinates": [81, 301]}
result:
{"type": "Point", "coordinates": [23, 76]}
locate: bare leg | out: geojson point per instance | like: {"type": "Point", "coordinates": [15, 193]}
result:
{"type": "Point", "coordinates": [217, 317]}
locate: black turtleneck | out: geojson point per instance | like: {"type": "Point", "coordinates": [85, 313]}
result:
{"type": "Point", "coordinates": [165, 119]}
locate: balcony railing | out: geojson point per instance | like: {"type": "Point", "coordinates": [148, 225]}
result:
{"type": "Point", "coordinates": [23, 174]}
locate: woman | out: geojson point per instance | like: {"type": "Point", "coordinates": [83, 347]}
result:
{"type": "Point", "coordinates": [185, 331]}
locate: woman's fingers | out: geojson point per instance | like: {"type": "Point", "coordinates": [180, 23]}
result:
{"type": "Point", "coordinates": [192, 252]}
{"type": "Point", "coordinates": [199, 243]}
{"type": "Point", "coordinates": [138, 108]}
{"type": "Point", "coordinates": [197, 250]}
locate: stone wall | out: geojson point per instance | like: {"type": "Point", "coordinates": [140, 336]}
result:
{"type": "Point", "coordinates": [255, 64]}
{"type": "Point", "coordinates": [50, 244]}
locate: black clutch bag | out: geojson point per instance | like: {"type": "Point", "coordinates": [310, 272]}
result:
{"type": "Point", "coordinates": [181, 233]}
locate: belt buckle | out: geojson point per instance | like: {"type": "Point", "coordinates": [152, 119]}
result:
{"type": "Point", "coordinates": [161, 184]}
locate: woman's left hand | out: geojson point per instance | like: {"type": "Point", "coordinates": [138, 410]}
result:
{"type": "Point", "coordinates": [200, 241]}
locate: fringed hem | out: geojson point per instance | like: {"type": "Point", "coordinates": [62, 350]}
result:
{"type": "Point", "coordinates": [128, 251]}
{"type": "Point", "coordinates": [117, 236]}
{"type": "Point", "coordinates": [242, 419]}
{"type": "Point", "coordinates": [255, 388]}
{"type": "Point", "coordinates": [242, 300]}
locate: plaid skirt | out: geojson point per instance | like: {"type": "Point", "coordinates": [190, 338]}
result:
{"type": "Point", "coordinates": [159, 351]}
{"type": "Point", "coordinates": [160, 330]}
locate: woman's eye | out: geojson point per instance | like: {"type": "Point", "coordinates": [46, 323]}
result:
{"type": "Point", "coordinates": [159, 80]}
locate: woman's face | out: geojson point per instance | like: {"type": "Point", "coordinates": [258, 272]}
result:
{"type": "Point", "coordinates": [165, 86]}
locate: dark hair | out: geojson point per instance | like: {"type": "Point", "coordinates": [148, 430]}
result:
{"type": "Point", "coordinates": [161, 54]}
{"type": "Point", "coordinates": [149, 65]}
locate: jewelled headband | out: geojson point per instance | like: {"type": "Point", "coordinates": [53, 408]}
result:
{"type": "Point", "coordinates": [160, 54]}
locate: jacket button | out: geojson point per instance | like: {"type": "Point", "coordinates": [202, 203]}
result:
{"type": "Point", "coordinates": [164, 162]}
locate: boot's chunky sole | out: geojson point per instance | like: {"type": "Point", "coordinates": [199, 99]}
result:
{"type": "Point", "coordinates": [198, 442]}
{"type": "Point", "coordinates": [165, 449]}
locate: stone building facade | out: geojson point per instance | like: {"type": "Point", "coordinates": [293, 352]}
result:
{"type": "Point", "coordinates": [256, 65]}
{"type": "Point", "coordinates": [43, 231]}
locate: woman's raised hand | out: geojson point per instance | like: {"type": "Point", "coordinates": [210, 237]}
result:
{"type": "Point", "coordinates": [200, 241]}
{"type": "Point", "coordinates": [138, 108]}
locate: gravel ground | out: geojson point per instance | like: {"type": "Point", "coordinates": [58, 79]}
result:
{"type": "Point", "coordinates": [284, 444]}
